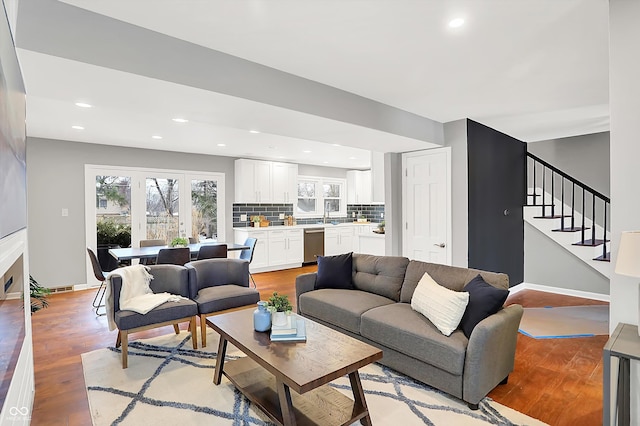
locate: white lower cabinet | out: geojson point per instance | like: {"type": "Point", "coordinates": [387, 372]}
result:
{"type": "Point", "coordinates": [275, 248]}
{"type": "Point", "coordinates": [338, 240]}
{"type": "Point", "coordinates": [285, 247]}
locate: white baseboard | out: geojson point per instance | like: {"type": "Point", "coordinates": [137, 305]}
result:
{"type": "Point", "coordinates": [77, 287]}
{"type": "Point", "coordinates": [558, 290]}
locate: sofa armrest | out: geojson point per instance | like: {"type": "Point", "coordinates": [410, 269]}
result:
{"type": "Point", "coordinates": [304, 283]}
{"type": "Point", "coordinates": [491, 353]}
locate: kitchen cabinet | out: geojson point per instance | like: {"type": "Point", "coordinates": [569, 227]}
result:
{"type": "Point", "coordinates": [359, 187]}
{"type": "Point", "coordinates": [252, 181]}
{"type": "Point", "coordinates": [372, 244]}
{"type": "Point", "coordinates": [359, 230]}
{"type": "Point", "coordinates": [338, 240]}
{"type": "Point", "coordinates": [285, 247]}
{"type": "Point", "coordinates": [284, 183]}
{"type": "Point", "coordinates": [377, 177]}
{"type": "Point", "coordinates": [265, 182]}
{"type": "Point", "coordinates": [276, 248]}
{"type": "Point", "coordinates": [260, 252]}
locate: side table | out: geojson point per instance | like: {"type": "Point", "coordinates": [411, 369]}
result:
{"type": "Point", "coordinates": [623, 344]}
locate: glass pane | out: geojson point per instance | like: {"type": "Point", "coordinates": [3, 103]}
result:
{"type": "Point", "coordinates": [306, 205]}
{"type": "Point", "coordinates": [331, 190]}
{"type": "Point", "coordinates": [306, 190]}
{"type": "Point", "coordinates": [204, 208]}
{"type": "Point", "coordinates": [332, 205]}
{"type": "Point", "coordinates": [113, 217]}
{"type": "Point", "coordinates": [162, 209]}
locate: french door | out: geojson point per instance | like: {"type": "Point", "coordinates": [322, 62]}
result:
{"type": "Point", "coordinates": [152, 204]}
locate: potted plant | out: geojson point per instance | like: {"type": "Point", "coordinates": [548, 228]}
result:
{"type": "Point", "coordinates": [38, 295]}
{"type": "Point", "coordinates": [111, 234]}
{"type": "Point", "coordinates": [279, 306]}
{"type": "Point", "coordinates": [179, 242]}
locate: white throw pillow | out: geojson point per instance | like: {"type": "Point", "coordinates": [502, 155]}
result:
{"type": "Point", "coordinates": [443, 307]}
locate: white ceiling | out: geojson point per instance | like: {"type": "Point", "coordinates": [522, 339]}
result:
{"type": "Point", "coordinates": [534, 69]}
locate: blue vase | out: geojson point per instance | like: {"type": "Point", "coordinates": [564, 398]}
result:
{"type": "Point", "coordinates": [262, 317]}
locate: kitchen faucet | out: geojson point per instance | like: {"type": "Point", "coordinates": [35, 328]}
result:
{"type": "Point", "coordinates": [326, 212]}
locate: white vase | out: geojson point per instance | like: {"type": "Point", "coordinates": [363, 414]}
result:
{"type": "Point", "coordinates": [279, 318]}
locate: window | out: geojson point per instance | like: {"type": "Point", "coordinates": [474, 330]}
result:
{"type": "Point", "coordinates": [318, 196]}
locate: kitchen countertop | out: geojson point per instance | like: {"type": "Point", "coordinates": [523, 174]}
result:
{"type": "Point", "coordinates": [309, 225]}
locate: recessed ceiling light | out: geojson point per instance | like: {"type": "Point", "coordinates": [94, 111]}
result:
{"type": "Point", "coordinates": [180, 120]}
{"type": "Point", "coordinates": [352, 158]}
{"type": "Point", "coordinates": [336, 144]}
{"type": "Point", "coordinates": [254, 131]}
{"type": "Point", "coordinates": [156, 137]}
{"type": "Point", "coordinates": [222, 144]}
{"type": "Point", "coordinates": [306, 151]}
{"type": "Point", "coordinates": [456, 23]}
{"type": "Point", "coordinates": [83, 105]}
{"type": "Point", "coordinates": [325, 162]}
{"type": "Point", "coordinates": [77, 127]}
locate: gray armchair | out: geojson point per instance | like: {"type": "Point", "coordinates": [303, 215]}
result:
{"type": "Point", "coordinates": [172, 279]}
{"type": "Point", "coordinates": [219, 284]}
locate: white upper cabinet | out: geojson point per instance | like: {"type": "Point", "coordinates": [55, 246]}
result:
{"type": "Point", "coordinates": [265, 181]}
{"type": "Point", "coordinates": [377, 177]}
{"type": "Point", "coordinates": [359, 187]}
{"type": "Point", "coordinates": [284, 177]}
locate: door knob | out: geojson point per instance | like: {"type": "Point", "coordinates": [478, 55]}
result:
{"type": "Point", "coordinates": [441, 245]}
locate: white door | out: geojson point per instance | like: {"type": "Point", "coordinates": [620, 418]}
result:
{"type": "Point", "coordinates": [427, 205]}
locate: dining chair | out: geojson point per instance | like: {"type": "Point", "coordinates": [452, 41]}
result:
{"type": "Point", "coordinates": [174, 256]}
{"type": "Point", "coordinates": [100, 276]}
{"type": "Point", "coordinates": [193, 240]}
{"type": "Point", "coordinates": [247, 254]}
{"type": "Point", "coordinates": [150, 243]}
{"type": "Point", "coordinates": [210, 251]}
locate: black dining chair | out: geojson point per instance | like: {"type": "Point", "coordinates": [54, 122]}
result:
{"type": "Point", "coordinates": [174, 256]}
{"type": "Point", "coordinates": [102, 277]}
{"type": "Point", "coordinates": [150, 243]}
{"type": "Point", "coordinates": [247, 254]}
{"type": "Point", "coordinates": [211, 251]}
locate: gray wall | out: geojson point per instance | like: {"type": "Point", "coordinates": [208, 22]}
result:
{"type": "Point", "coordinates": [332, 172]}
{"type": "Point", "coordinates": [55, 180]}
{"type": "Point", "coordinates": [393, 203]}
{"type": "Point", "coordinates": [547, 263]}
{"type": "Point", "coordinates": [455, 134]}
{"type": "Point", "coordinates": [585, 157]}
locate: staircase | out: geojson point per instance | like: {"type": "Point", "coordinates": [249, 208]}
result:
{"type": "Point", "coordinates": [569, 212]}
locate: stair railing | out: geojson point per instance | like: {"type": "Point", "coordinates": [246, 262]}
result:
{"type": "Point", "coordinates": [586, 193]}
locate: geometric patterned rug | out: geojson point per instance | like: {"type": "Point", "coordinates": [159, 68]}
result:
{"type": "Point", "coordinates": [169, 383]}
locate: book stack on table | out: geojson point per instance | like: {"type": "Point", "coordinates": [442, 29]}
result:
{"type": "Point", "coordinates": [293, 331]}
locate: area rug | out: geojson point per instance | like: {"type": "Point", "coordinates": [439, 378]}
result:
{"type": "Point", "coordinates": [169, 383]}
{"type": "Point", "coordinates": [565, 322]}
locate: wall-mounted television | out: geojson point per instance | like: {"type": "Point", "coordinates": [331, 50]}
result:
{"type": "Point", "coordinates": [13, 167]}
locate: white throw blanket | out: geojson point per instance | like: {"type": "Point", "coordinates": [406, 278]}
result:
{"type": "Point", "coordinates": [135, 293]}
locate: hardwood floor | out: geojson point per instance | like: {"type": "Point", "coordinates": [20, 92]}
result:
{"type": "Point", "coordinates": [558, 381]}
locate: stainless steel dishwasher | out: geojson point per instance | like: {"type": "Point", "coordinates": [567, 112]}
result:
{"type": "Point", "coordinates": [313, 244]}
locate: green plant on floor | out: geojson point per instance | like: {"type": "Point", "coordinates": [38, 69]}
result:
{"type": "Point", "coordinates": [179, 242]}
{"type": "Point", "coordinates": [279, 303]}
{"type": "Point", "coordinates": [38, 295]}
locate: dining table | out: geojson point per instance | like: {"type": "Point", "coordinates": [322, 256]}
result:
{"type": "Point", "coordinates": [151, 252]}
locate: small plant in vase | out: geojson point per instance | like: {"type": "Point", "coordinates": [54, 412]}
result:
{"type": "Point", "coordinates": [179, 242]}
{"type": "Point", "coordinates": [279, 306]}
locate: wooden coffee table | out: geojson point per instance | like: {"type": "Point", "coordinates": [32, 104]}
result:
{"type": "Point", "coordinates": [268, 372]}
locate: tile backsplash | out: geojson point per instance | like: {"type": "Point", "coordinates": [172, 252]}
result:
{"type": "Point", "coordinates": [371, 212]}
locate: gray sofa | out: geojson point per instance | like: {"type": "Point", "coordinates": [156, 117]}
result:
{"type": "Point", "coordinates": [378, 311]}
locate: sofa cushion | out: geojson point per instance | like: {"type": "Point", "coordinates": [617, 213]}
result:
{"type": "Point", "coordinates": [335, 271]}
{"type": "Point", "coordinates": [443, 307]}
{"type": "Point", "coordinates": [452, 277]}
{"type": "Point", "coordinates": [127, 320]}
{"type": "Point", "coordinates": [402, 329]}
{"type": "Point", "coordinates": [342, 308]}
{"type": "Point", "coordinates": [484, 300]}
{"type": "Point", "coordinates": [382, 275]}
{"type": "Point", "coordinates": [221, 297]}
